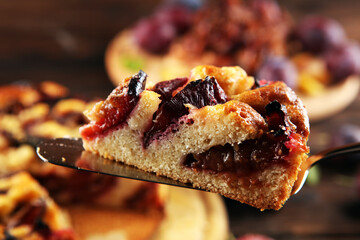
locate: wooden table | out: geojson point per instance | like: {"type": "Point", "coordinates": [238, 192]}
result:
{"type": "Point", "coordinates": [65, 41]}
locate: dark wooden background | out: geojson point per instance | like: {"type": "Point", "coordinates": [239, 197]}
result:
{"type": "Point", "coordinates": [65, 40]}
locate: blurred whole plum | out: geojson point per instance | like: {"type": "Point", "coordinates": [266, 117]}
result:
{"type": "Point", "coordinates": [278, 68]}
{"type": "Point", "coordinates": [345, 134]}
{"type": "Point", "coordinates": [251, 236]}
{"type": "Point", "coordinates": [179, 16]}
{"type": "Point", "coordinates": [344, 60]}
{"type": "Point", "coordinates": [156, 33]}
{"type": "Point", "coordinates": [319, 34]}
{"type": "Point", "coordinates": [267, 9]}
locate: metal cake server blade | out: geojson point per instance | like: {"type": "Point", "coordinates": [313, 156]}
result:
{"type": "Point", "coordinates": [69, 152]}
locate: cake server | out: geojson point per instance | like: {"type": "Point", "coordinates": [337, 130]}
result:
{"type": "Point", "coordinates": [69, 152]}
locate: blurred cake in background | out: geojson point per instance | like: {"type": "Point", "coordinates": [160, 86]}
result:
{"type": "Point", "coordinates": [328, 65]}
{"type": "Point", "coordinates": [26, 120]}
{"type": "Point", "coordinates": [98, 206]}
{"type": "Point", "coordinates": [314, 56]}
{"type": "Point", "coordinates": [176, 38]}
{"type": "Point", "coordinates": [28, 212]}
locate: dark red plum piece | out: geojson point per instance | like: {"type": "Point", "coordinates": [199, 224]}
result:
{"type": "Point", "coordinates": [277, 119]}
{"type": "Point", "coordinates": [198, 93]}
{"type": "Point", "coordinates": [166, 88]}
{"type": "Point", "coordinates": [251, 155]}
{"type": "Point", "coordinates": [120, 104]}
{"type": "Point", "coordinates": [117, 106]}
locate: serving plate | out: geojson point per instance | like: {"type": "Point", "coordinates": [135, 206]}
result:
{"type": "Point", "coordinates": [333, 100]}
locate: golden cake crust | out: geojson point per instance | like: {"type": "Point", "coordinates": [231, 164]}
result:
{"type": "Point", "coordinates": [258, 98]}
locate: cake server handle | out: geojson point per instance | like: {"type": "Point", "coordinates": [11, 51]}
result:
{"type": "Point", "coordinates": [328, 154]}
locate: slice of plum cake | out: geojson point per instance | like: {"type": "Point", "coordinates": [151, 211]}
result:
{"type": "Point", "coordinates": [217, 129]}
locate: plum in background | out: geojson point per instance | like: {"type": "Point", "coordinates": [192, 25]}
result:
{"type": "Point", "coordinates": [345, 134]}
{"type": "Point", "coordinates": [154, 35]}
{"type": "Point", "coordinates": [267, 9]}
{"type": "Point", "coordinates": [344, 60]}
{"type": "Point", "coordinates": [179, 16]}
{"type": "Point", "coordinates": [190, 4]}
{"type": "Point", "coordinates": [319, 34]}
{"type": "Point", "coordinates": [251, 236]}
{"type": "Point", "coordinates": [278, 68]}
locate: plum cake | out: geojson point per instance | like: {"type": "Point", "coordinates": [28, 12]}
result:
{"type": "Point", "coordinates": [217, 129]}
{"type": "Point", "coordinates": [27, 211]}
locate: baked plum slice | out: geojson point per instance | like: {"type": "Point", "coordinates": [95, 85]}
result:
{"type": "Point", "coordinates": [167, 88]}
{"type": "Point", "coordinates": [251, 156]}
{"type": "Point", "coordinates": [116, 108]}
{"type": "Point", "coordinates": [199, 93]}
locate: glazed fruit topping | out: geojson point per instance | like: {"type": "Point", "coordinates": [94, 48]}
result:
{"type": "Point", "coordinates": [260, 83]}
{"type": "Point", "coordinates": [121, 102]}
{"type": "Point", "coordinates": [198, 93]}
{"type": "Point", "coordinates": [277, 119]}
{"type": "Point", "coordinates": [166, 88]}
{"type": "Point", "coordinates": [116, 108]}
{"type": "Point", "coordinates": [137, 84]}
